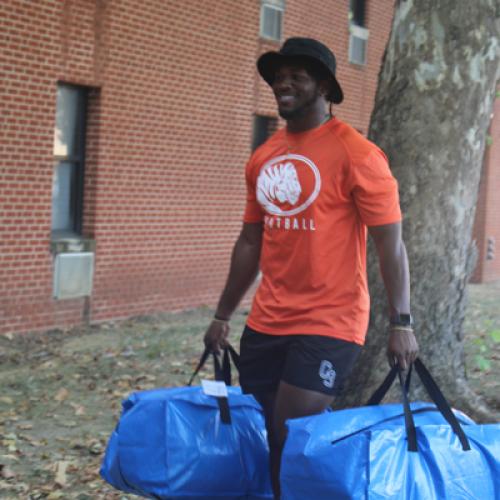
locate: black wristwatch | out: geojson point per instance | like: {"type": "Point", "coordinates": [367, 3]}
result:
{"type": "Point", "coordinates": [401, 320]}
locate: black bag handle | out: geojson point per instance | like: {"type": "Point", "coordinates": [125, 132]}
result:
{"type": "Point", "coordinates": [235, 357]}
{"type": "Point", "coordinates": [434, 393]}
{"type": "Point", "coordinates": [201, 362]}
{"type": "Point", "coordinates": [221, 373]}
{"type": "Point", "coordinates": [377, 397]}
{"type": "Point", "coordinates": [384, 387]}
{"type": "Point", "coordinates": [411, 432]}
{"type": "Point", "coordinates": [382, 390]}
{"type": "Point", "coordinates": [229, 355]}
{"type": "Point", "coordinates": [423, 409]}
{"type": "Point", "coordinates": [443, 406]}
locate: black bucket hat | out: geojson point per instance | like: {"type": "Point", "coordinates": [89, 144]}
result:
{"type": "Point", "coordinates": [302, 48]}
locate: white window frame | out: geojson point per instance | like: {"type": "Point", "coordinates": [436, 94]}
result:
{"type": "Point", "coordinates": [358, 33]}
{"type": "Point", "coordinates": [276, 5]}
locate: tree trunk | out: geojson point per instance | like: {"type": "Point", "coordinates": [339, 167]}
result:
{"type": "Point", "coordinates": [432, 110]}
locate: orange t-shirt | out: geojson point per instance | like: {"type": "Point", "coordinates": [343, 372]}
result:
{"type": "Point", "coordinates": [315, 192]}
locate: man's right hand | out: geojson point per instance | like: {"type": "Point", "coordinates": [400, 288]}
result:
{"type": "Point", "coordinates": [242, 272]}
{"type": "Point", "coordinates": [216, 335]}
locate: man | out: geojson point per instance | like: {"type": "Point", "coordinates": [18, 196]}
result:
{"type": "Point", "coordinates": [313, 190]}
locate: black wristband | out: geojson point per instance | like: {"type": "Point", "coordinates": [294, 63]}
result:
{"type": "Point", "coordinates": [401, 320]}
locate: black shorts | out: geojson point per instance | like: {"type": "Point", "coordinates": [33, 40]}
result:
{"type": "Point", "coordinates": [312, 362]}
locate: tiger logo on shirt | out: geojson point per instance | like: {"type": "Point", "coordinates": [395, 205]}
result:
{"type": "Point", "coordinates": [279, 182]}
{"type": "Point", "coordinates": [287, 185]}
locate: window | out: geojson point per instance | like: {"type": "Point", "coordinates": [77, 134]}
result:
{"type": "Point", "coordinates": [357, 8]}
{"type": "Point", "coordinates": [263, 127]}
{"type": "Point", "coordinates": [358, 34]}
{"type": "Point", "coordinates": [358, 40]}
{"type": "Point", "coordinates": [271, 19]}
{"type": "Point", "coordinates": [69, 160]}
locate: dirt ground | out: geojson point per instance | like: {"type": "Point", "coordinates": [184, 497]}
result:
{"type": "Point", "coordinates": [61, 391]}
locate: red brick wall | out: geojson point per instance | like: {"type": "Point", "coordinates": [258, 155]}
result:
{"type": "Point", "coordinates": [487, 223]}
{"type": "Point", "coordinates": [169, 131]}
{"type": "Point", "coordinates": [31, 55]}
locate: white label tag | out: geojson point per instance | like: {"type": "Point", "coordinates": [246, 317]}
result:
{"type": "Point", "coordinates": [214, 388]}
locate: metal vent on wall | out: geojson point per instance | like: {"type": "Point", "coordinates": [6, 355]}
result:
{"type": "Point", "coordinates": [73, 274]}
{"type": "Point", "coordinates": [358, 41]}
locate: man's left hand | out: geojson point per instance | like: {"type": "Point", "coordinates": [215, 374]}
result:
{"type": "Point", "coordinates": [402, 347]}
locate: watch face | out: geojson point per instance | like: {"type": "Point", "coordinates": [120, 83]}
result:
{"type": "Point", "coordinates": [406, 318]}
{"type": "Point", "coordinates": [402, 319]}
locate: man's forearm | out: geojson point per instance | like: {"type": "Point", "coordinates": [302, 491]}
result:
{"type": "Point", "coordinates": [393, 262]}
{"type": "Point", "coordinates": [402, 347]}
{"type": "Point", "coordinates": [396, 275]}
{"type": "Point", "coordinates": [242, 273]}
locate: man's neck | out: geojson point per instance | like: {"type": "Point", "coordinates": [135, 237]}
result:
{"type": "Point", "coordinates": [311, 120]}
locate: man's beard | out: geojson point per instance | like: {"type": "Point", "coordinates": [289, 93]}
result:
{"type": "Point", "coordinates": [290, 114]}
{"type": "Point", "coordinates": [299, 111]}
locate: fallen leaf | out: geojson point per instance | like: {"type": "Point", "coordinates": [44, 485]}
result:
{"type": "Point", "coordinates": [35, 443]}
{"type": "Point", "coordinates": [61, 479]}
{"type": "Point", "coordinates": [37, 495]}
{"type": "Point", "coordinates": [6, 472]}
{"type": "Point", "coordinates": [145, 378]}
{"type": "Point", "coordinates": [62, 394]}
{"type": "Point", "coordinates": [21, 487]}
{"type": "Point", "coordinates": [128, 352]}
{"type": "Point", "coordinates": [10, 442]}
{"type": "Point", "coordinates": [6, 400]}
{"type": "Point", "coordinates": [69, 423]}
{"type": "Point", "coordinates": [94, 485]}
{"type": "Point", "coordinates": [55, 495]}
{"type": "Point", "coordinates": [72, 468]}
{"type": "Point", "coordinates": [29, 439]}
{"type": "Point", "coordinates": [25, 427]}
{"type": "Point", "coordinates": [77, 445]}
{"type": "Point", "coordinates": [79, 409]}
{"type": "Point", "coordinates": [96, 447]}
{"type": "Point", "coordinates": [124, 383]}
{"type": "Point", "coordinates": [47, 364]}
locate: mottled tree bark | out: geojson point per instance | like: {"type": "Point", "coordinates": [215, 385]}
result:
{"type": "Point", "coordinates": [432, 110]}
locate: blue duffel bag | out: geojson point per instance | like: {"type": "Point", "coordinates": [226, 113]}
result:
{"type": "Point", "coordinates": [417, 451]}
{"type": "Point", "coordinates": [181, 443]}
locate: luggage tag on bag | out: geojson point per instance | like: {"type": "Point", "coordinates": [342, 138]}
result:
{"type": "Point", "coordinates": [214, 388]}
